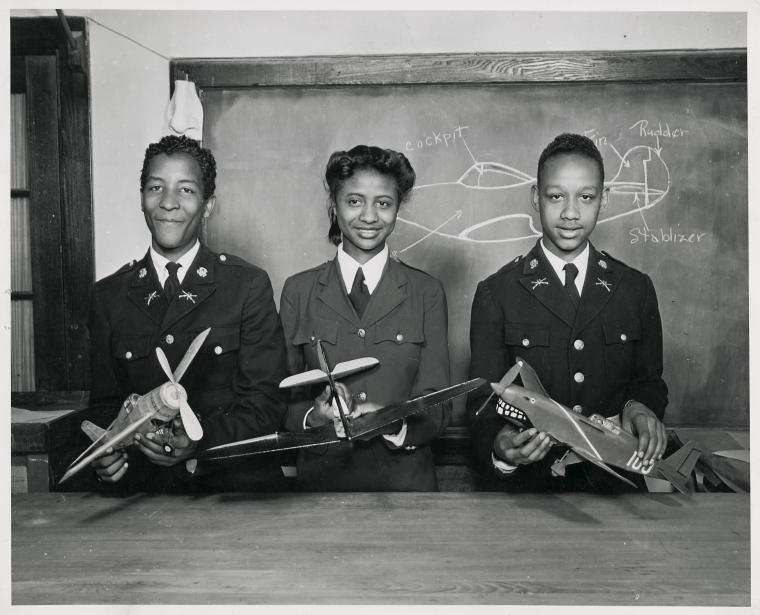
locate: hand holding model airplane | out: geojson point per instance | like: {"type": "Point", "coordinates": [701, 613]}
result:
{"type": "Point", "coordinates": [147, 413]}
{"type": "Point", "coordinates": [595, 439]}
{"type": "Point", "coordinates": [363, 422]}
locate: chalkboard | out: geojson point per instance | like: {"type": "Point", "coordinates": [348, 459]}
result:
{"type": "Point", "coordinates": [675, 153]}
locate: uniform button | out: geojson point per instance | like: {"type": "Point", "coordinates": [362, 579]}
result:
{"type": "Point", "coordinates": [526, 342]}
{"type": "Point", "coordinates": [312, 338]}
{"type": "Point", "coordinates": [579, 377]}
{"type": "Point", "coordinates": [623, 337]}
{"type": "Point", "coordinates": [578, 344]}
{"type": "Point", "coordinates": [222, 257]}
{"type": "Point", "coordinates": [399, 337]}
{"type": "Point", "coordinates": [361, 333]}
{"type": "Point", "coordinates": [169, 339]}
{"type": "Point", "coordinates": [128, 355]}
{"type": "Point", "coordinates": [577, 408]}
{"type": "Point", "coordinates": [362, 396]}
{"type": "Point", "coordinates": [217, 350]}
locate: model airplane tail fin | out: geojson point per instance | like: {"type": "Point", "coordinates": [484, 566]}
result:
{"type": "Point", "coordinates": [92, 431]}
{"type": "Point", "coordinates": [678, 467]}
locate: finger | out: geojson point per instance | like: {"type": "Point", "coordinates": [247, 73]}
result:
{"type": "Point", "coordinates": [654, 440]}
{"type": "Point", "coordinates": [147, 442]}
{"type": "Point", "coordinates": [663, 441]}
{"type": "Point", "coordinates": [643, 441]}
{"type": "Point", "coordinates": [122, 471]}
{"type": "Point", "coordinates": [536, 446]}
{"type": "Point", "coordinates": [323, 396]}
{"type": "Point", "coordinates": [524, 436]}
{"type": "Point", "coordinates": [112, 468]}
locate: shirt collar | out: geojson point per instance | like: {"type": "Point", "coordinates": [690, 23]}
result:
{"type": "Point", "coordinates": [373, 268]}
{"type": "Point", "coordinates": [580, 261]}
{"type": "Point", "coordinates": [159, 263]}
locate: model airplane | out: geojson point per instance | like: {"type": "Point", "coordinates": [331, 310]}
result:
{"type": "Point", "coordinates": [152, 412]}
{"type": "Point", "coordinates": [362, 427]}
{"type": "Point", "coordinates": [596, 439]}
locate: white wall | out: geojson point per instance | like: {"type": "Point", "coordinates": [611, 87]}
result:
{"type": "Point", "coordinates": [130, 85]}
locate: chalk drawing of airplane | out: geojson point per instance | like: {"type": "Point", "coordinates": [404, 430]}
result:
{"type": "Point", "coordinates": [640, 182]}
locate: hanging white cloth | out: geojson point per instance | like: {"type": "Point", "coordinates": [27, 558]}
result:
{"type": "Point", "coordinates": [184, 113]}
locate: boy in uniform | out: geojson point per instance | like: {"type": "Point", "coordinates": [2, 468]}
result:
{"type": "Point", "coordinates": [588, 324]}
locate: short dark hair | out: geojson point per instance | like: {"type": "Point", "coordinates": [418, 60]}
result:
{"type": "Point", "coordinates": [344, 164]}
{"type": "Point", "coordinates": [569, 143]}
{"type": "Point", "coordinates": [172, 144]}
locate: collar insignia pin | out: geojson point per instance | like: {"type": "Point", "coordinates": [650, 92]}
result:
{"type": "Point", "coordinates": [187, 296]}
{"type": "Point", "coordinates": [150, 297]}
{"type": "Point", "coordinates": [533, 264]}
{"type": "Point", "coordinates": [539, 282]}
{"type": "Point", "coordinates": [201, 271]}
{"type": "Point", "coordinates": [143, 273]}
{"type": "Point", "coordinates": [604, 284]}
{"type": "Point", "coordinates": [603, 263]}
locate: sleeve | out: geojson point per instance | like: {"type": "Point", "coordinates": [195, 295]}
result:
{"type": "Point", "coordinates": [646, 384]}
{"type": "Point", "coordinates": [432, 373]}
{"type": "Point", "coordinates": [258, 407]}
{"type": "Point", "coordinates": [489, 360]}
{"type": "Point", "coordinates": [104, 386]}
{"type": "Point", "coordinates": [299, 399]}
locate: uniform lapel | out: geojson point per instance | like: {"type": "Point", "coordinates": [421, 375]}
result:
{"type": "Point", "coordinates": [539, 279]}
{"type": "Point", "coordinates": [197, 286]}
{"type": "Point", "coordinates": [332, 293]}
{"type": "Point", "coordinates": [144, 290]}
{"type": "Point", "coordinates": [390, 292]}
{"type": "Point", "coordinates": [602, 277]}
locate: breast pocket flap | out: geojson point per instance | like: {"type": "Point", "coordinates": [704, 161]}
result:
{"type": "Point", "coordinates": [527, 336]}
{"type": "Point", "coordinates": [622, 331]}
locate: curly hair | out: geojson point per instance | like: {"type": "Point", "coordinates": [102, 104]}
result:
{"type": "Point", "coordinates": [569, 143]}
{"type": "Point", "coordinates": [344, 164]}
{"type": "Point", "coordinates": [183, 145]}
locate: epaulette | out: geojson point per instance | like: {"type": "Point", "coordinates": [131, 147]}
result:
{"type": "Point", "coordinates": [128, 267]}
{"type": "Point", "coordinates": [612, 258]}
{"type": "Point", "coordinates": [408, 266]}
{"type": "Point", "coordinates": [511, 264]}
{"type": "Point", "coordinates": [230, 259]}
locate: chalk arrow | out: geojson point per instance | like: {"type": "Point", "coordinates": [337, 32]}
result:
{"type": "Point", "coordinates": [625, 162]}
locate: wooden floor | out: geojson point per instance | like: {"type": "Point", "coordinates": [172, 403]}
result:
{"type": "Point", "coordinates": [444, 548]}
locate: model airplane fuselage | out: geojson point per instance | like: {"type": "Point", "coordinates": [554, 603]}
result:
{"type": "Point", "coordinates": [152, 412]}
{"type": "Point", "coordinates": [600, 440]}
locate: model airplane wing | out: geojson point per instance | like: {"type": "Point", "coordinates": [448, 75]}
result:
{"type": "Point", "coordinates": [599, 463]}
{"type": "Point", "coordinates": [314, 376]}
{"type": "Point", "coordinates": [278, 441]}
{"type": "Point", "coordinates": [130, 429]}
{"type": "Point", "coordinates": [363, 427]}
{"type": "Point", "coordinates": [369, 425]}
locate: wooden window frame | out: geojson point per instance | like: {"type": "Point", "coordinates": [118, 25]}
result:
{"type": "Point", "coordinates": [54, 77]}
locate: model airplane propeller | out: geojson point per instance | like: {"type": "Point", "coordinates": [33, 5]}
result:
{"type": "Point", "coordinates": [362, 427]}
{"type": "Point", "coordinates": [141, 413]}
{"type": "Point", "coordinates": [596, 439]}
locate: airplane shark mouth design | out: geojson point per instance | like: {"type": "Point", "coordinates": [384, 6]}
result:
{"type": "Point", "coordinates": [510, 412]}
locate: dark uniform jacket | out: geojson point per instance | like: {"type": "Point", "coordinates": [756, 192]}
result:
{"type": "Point", "coordinates": [405, 327]}
{"type": "Point", "coordinates": [593, 361]}
{"type": "Point", "coordinates": [232, 384]}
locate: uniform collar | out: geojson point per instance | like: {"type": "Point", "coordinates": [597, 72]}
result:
{"type": "Point", "coordinates": [580, 261]}
{"type": "Point", "coordinates": [159, 263]}
{"type": "Point", "coordinates": [373, 268]}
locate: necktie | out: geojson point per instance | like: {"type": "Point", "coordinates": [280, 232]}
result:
{"type": "Point", "coordinates": [171, 286]}
{"type": "Point", "coordinates": [359, 294]}
{"type": "Point", "coordinates": [571, 272]}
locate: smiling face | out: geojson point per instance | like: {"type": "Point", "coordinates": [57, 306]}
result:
{"type": "Point", "coordinates": [173, 204]}
{"type": "Point", "coordinates": [366, 206]}
{"type": "Point", "coordinates": [568, 198]}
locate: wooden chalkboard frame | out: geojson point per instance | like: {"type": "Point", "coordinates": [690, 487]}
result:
{"type": "Point", "coordinates": [715, 65]}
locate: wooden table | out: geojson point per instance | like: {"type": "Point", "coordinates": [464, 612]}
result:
{"type": "Point", "coordinates": [444, 548]}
